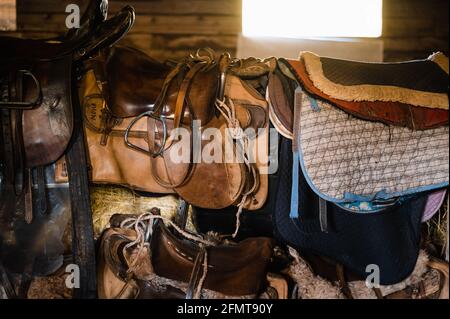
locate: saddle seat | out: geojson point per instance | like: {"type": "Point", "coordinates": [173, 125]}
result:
{"type": "Point", "coordinates": [421, 83]}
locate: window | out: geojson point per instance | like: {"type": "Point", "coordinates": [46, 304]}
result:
{"type": "Point", "coordinates": [312, 18]}
{"type": "Point", "coordinates": [7, 15]}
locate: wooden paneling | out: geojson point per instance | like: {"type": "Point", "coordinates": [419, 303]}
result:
{"type": "Point", "coordinates": [412, 29]}
{"type": "Point", "coordinates": [165, 29]}
{"type": "Point", "coordinates": [169, 29]}
{"type": "Point", "coordinates": [7, 15]}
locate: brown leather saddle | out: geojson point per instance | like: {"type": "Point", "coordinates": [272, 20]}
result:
{"type": "Point", "coordinates": [36, 97]}
{"type": "Point", "coordinates": [410, 94]}
{"type": "Point", "coordinates": [159, 98]}
{"type": "Point", "coordinates": [177, 264]}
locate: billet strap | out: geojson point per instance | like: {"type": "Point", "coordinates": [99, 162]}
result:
{"type": "Point", "coordinates": [41, 193]}
{"type": "Point", "coordinates": [159, 103]}
{"type": "Point", "coordinates": [18, 151]}
{"type": "Point", "coordinates": [184, 91]}
{"type": "Point", "coordinates": [323, 215]}
{"type": "Point", "coordinates": [340, 271]}
{"type": "Point", "coordinates": [83, 244]}
{"type": "Point", "coordinates": [28, 195]}
{"type": "Point", "coordinates": [378, 293]}
{"type": "Point", "coordinates": [198, 275]}
{"type": "Point", "coordinates": [6, 284]}
{"type": "Point", "coordinates": [8, 152]}
{"type": "Point", "coordinates": [224, 64]}
{"type": "Point", "coordinates": [182, 216]}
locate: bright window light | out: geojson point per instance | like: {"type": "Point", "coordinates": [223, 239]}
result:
{"type": "Point", "coordinates": [312, 18]}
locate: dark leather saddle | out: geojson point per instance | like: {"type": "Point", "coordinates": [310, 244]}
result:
{"type": "Point", "coordinates": [410, 94]}
{"type": "Point", "coordinates": [36, 97]}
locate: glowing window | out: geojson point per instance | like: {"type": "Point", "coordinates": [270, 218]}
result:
{"type": "Point", "coordinates": [312, 18]}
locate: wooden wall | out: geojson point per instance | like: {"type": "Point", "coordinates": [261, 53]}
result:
{"type": "Point", "coordinates": [171, 28]}
{"type": "Point", "coordinates": [163, 28]}
{"type": "Point", "coordinates": [414, 28]}
{"type": "Point", "coordinates": [7, 15]}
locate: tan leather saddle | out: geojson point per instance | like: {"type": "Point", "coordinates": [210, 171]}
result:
{"type": "Point", "coordinates": [36, 98]}
{"type": "Point", "coordinates": [411, 94]}
{"type": "Point", "coordinates": [152, 99]}
{"type": "Point", "coordinates": [175, 264]}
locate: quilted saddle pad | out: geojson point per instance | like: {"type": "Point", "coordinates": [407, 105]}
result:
{"type": "Point", "coordinates": [346, 159]}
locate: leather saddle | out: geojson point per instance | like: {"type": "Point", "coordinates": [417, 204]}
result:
{"type": "Point", "coordinates": [160, 98]}
{"type": "Point", "coordinates": [36, 98]}
{"type": "Point", "coordinates": [177, 264]}
{"type": "Point", "coordinates": [411, 94]}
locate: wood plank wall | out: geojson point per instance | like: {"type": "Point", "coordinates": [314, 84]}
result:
{"type": "Point", "coordinates": [172, 28]}
{"type": "Point", "coordinates": [166, 29]}
{"type": "Point", "coordinates": [414, 28]}
{"type": "Point", "coordinates": [7, 15]}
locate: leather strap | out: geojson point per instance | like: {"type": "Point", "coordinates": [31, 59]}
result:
{"type": "Point", "coordinates": [28, 195]}
{"type": "Point", "coordinates": [181, 218]}
{"type": "Point", "coordinates": [151, 129]}
{"type": "Point", "coordinates": [196, 275]}
{"type": "Point", "coordinates": [343, 282]}
{"type": "Point", "coordinates": [323, 215]}
{"type": "Point", "coordinates": [6, 283]}
{"type": "Point", "coordinates": [41, 193]}
{"type": "Point", "coordinates": [184, 91]}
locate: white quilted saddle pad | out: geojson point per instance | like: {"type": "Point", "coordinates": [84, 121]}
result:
{"type": "Point", "coordinates": [346, 159]}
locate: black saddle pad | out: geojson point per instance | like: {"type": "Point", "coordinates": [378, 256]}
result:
{"type": "Point", "coordinates": [389, 239]}
{"type": "Point", "coordinates": [253, 223]}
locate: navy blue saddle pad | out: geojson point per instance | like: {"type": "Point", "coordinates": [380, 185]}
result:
{"type": "Point", "coordinates": [389, 238]}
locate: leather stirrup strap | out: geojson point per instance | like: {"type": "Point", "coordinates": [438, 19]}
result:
{"type": "Point", "coordinates": [343, 282]}
{"type": "Point", "coordinates": [151, 129]}
{"type": "Point", "coordinates": [28, 195]}
{"type": "Point", "coordinates": [196, 275]}
{"type": "Point", "coordinates": [41, 192]}
{"type": "Point", "coordinates": [184, 91]}
{"type": "Point", "coordinates": [18, 152]}
{"type": "Point", "coordinates": [6, 283]}
{"type": "Point", "coordinates": [157, 108]}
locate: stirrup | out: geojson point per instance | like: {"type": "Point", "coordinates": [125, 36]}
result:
{"type": "Point", "coordinates": [149, 152]}
{"type": "Point", "coordinates": [23, 105]}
